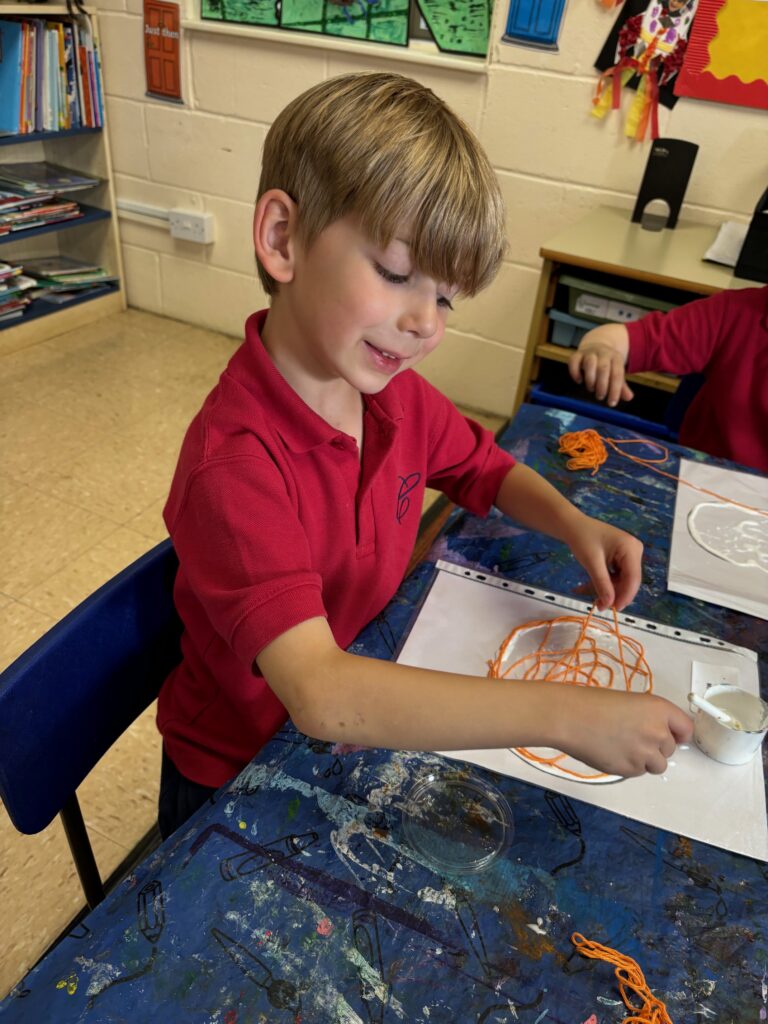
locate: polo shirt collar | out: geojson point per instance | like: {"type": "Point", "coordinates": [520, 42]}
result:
{"type": "Point", "coordinates": [300, 427]}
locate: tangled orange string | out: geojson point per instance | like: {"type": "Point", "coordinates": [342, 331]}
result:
{"type": "Point", "coordinates": [586, 662]}
{"type": "Point", "coordinates": [585, 450]}
{"type": "Point", "coordinates": [631, 980]}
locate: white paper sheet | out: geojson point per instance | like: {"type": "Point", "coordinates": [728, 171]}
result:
{"type": "Point", "coordinates": [719, 552]}
{"type": "Point", "coordinates": [467, 615]}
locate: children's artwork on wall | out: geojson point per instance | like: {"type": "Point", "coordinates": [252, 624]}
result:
{"type": "Point", "coordinates": [463, 623]}
{"type": "Point", "coordinates": [534, 23]}
{"type": "Point", "coordinates": [727, 56]}
{"type": "Point", "coordinates": [455, 27]}
{"type": "Point", "coordinates": [459, 27]}
{"type": "Point", "coordinates": [644, 50]}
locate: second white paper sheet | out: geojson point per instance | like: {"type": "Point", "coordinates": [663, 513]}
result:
{"type": "Point", "coordinates": [719, 551]}
{"type": "Point", "coordinates": [467, 615]}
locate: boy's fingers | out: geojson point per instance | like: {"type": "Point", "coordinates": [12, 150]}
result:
{"type": "Point", "coordinates": [667, 745]}
{"type": "Point", "coordinates": [656, 763]}
{"type": "Point", "coordinates": [617, 387]}
{"type": "Point", "coordinates": [604, 592]}
{"type": "Point", "coordinates": [603, 383]}
{"type": "Point", "coordinates": [574, 366]}
{"type": "Point", "coordinates": [589, 371]}
{"type": "Point", "coordinates": [626, 392]}
{"type": "Point", "coordinates": [681, 726]}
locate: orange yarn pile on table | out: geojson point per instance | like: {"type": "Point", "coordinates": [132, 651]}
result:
{"type": "Point", "coordinates": [577, 664]}
{"type": "Point", "coordinates": [632, 983]}
{"type": "Point", "coordinates": [586, 450]}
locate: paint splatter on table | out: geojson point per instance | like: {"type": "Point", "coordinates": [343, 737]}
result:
{"type": "Point", "coordinates": [293, 897]}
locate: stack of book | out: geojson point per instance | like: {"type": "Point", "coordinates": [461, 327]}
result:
{"type": "Point", "coordinates": [37, 176]}
{"type": "Point", "coordinates": [50, 76]}
{"type": "Point", "coordinates": [60, 279]}
{"type": "Point", "coordinates": [29, 195]}
{"type": "Point", "coordinates": [13, 286]}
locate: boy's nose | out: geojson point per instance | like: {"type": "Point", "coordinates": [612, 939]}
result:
{"type": "Point", "coordinates": [420, 315]}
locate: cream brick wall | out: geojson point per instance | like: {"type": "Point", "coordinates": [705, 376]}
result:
{"type": "Point", "coordinates": [531, 110]}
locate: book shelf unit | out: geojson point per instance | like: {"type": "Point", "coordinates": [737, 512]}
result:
{"type": "Point", "coordinates": [93, 237]}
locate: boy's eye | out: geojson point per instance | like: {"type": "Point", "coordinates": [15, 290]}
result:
{"type": "Point", "coordinates": [388, 275]}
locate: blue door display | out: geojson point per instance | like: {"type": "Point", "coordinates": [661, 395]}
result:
{"type": "Point", "coordinates": [534, 23]}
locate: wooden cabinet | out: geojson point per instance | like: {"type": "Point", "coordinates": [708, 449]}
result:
{"type": "Point", "coordinates": [93, 237]}
{"type": "Point", "coordinates": [607, 249]}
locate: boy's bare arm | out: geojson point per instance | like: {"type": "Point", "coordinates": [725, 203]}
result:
{"type": "Point", "coordinates": [345, 698]}
{"type": "Point", "coordinates": [599, 363]}
{"type": "Point", "coordinates": [611, 557]}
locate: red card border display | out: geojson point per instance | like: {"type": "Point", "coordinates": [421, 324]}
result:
{"type": "Point", "coordinates": [698, 83]}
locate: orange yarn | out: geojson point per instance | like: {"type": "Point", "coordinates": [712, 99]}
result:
{"type": "Point", "coordinates": [578, 664]}
{"type": "Point", "coordinates": [586, 450]}
{"type": "Point", "coordinates": [631, 982]}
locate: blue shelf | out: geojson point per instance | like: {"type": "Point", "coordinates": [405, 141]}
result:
{"type": "Point", "coordinates": [90, 215]}
{"type": "Point", "coordinates": [15, 140]}
{"type": "Point", "coordinates": [37, 308]}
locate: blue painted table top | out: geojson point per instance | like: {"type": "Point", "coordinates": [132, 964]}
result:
{"type": "Point", "coordinates": [293, 897]}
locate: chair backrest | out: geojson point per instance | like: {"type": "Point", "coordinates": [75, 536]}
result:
{"type": "Point", "coordinates": [66, 700]}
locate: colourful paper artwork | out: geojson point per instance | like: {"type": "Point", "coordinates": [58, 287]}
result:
{"type": "Point", "coordinates": [534, 23]}
{"type": "Point", "coordinates": [727, 56]}
{"type": "Point", "coordinates": [644, 50]}
{"type": "Point", "coordinates": [455, 27]}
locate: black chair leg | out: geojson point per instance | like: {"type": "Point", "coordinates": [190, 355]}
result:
{"type": "Point", "coordinates": [82, 852]}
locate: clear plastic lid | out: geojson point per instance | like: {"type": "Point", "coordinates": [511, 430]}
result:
{"type": "Point", "coordinates": [456, 821]}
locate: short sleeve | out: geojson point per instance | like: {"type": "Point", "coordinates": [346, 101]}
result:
{"type": "Point", "coordinates": [244, 553]}
{"type": "Point", "coordinates": [465, 463]}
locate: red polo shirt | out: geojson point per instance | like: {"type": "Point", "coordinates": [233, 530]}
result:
{"type": "Point", "coordinates": [725, 337]}
{"type": "Point", "coordinates": [276, 520]}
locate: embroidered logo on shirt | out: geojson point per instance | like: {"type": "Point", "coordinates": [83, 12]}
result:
{"type": "Point", "coordinates": [407, 484]}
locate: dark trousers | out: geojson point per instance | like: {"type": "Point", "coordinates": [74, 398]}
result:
{"type": "Point", "coordinates": [179, 797]}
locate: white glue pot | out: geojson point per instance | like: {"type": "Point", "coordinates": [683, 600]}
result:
{"type": "Point", "coordinates": [729, 723]}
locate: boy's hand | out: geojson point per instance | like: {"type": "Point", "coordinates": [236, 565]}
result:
{"type": "Point", "coordinates": [623, 734]}
{"type": "Point", "coordinates": [599, 363]}
{"type": "Point", "coordinates": [612, 558]}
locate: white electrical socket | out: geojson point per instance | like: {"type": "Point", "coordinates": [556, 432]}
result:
{"type": "Point", "coordinates": [191, 226]}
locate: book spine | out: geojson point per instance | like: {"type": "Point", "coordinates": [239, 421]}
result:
{"type": "Point", "coordinates": [73, 100]}
{"type": "Point", "coordinates": [64, 112]}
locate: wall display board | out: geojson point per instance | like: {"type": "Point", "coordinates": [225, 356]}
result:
{"type": "Point", "coordinates": [461, 28]}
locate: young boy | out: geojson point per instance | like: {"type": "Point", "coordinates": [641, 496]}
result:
{"type": "Point", "coordinates": [725, 337]}
{"type": "Point", "coordinates": [376, 208]}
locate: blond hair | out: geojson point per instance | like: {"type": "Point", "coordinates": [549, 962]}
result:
{"type": "Point", "coordinates": [387, 150]}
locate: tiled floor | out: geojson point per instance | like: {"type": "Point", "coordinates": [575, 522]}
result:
{"type": "Point", "coordinates": [90, 426]}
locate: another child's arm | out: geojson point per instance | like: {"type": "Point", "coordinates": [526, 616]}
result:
{"type": "Point", "coordinates": [599, 363]}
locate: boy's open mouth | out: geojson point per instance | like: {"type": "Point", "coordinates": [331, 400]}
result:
{"type": "Point", "coordinates": [383, 359]}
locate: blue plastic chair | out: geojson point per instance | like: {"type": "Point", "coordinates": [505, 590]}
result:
{"type": "Point", "coordinates": [67, 699]}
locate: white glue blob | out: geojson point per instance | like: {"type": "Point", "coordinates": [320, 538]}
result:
{"type": "Point", "coordinates": [730, 533]}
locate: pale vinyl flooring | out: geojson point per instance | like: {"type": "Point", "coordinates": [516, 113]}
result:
{"type": "Point", "coordinates": [90, 427]}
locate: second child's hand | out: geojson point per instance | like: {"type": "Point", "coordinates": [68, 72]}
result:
{"type": "Point", "coordinates": [599, 363]}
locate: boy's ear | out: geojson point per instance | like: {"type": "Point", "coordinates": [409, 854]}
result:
{"type": "Point", "coordinates": [274, 234]}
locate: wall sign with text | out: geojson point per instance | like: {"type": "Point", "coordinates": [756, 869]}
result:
{"type": "Point", "coordinates": [162, 46]}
